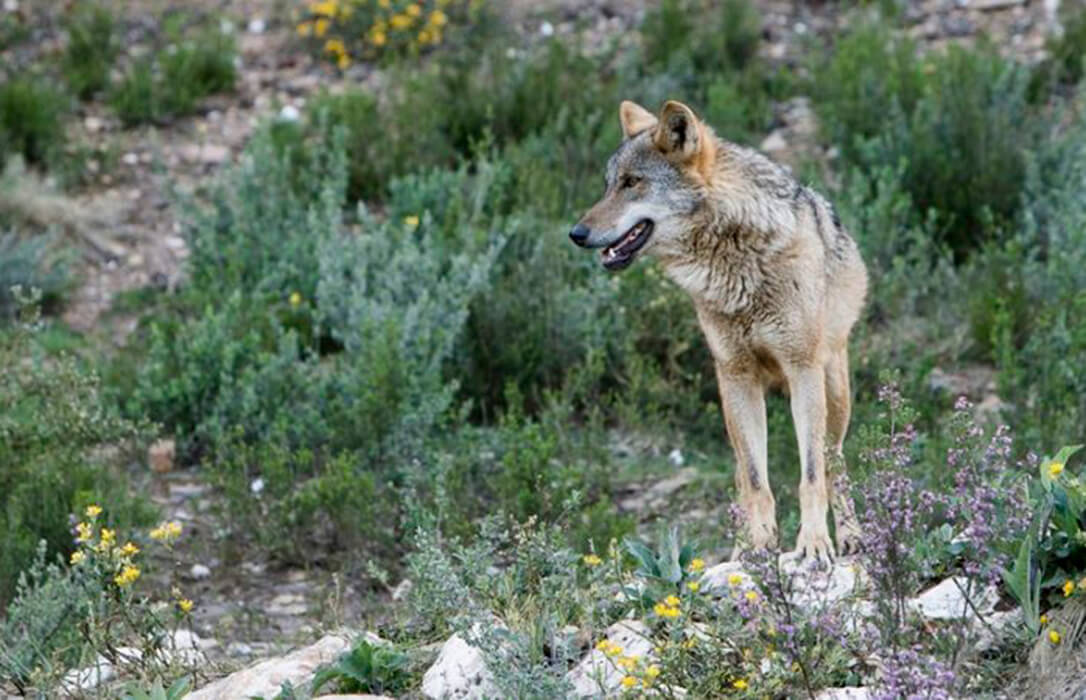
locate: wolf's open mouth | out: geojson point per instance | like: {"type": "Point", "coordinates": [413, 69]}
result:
{"type": "Point", "coordinates": [622, 252]}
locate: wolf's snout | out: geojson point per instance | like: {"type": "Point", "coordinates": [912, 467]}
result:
{"type": "Point", "coordinates": [579, 234]}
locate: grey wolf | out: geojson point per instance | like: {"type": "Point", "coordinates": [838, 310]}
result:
{"type": "Point", "coordinates": [777, 284]}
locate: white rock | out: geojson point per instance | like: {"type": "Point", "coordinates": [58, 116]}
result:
{"type": "Point", "coordinates": [93, 124]}
{"type": "Point", "coordinates": [546, 29]}
{"type": "Point", "coordinates": [460, 672]}
{"type": "Point", "coordinates": [257, 25]}
{"type": "Point", "coordinates": [239, 649]}
{"type": "Point", "coordinates": [287, 604]}
{"type": "Point", "coordinates": [947, 601]}
{"type": "Point", "coordinates": [998, 628]}
{"type": "Point", "coordinates": [90, 677]}
{"type": "Point", "coordinates": [289, 113]}
{"type": "Point", "coordinates": [267, 677]}
{"type": "Point", "coordinates": [11, 5]}
{"type": "Point", "coordinates": [199, 572]}
{"type": "Point", "coordinates": [774, 143]}
{"type": "Point", "coordinates": [675, 458]}
{"type": "Point", "coordinates": [843, 694]}
{"type": "Point", "coordinates": [257, 487]}
{"type": "Point", "coordinates": [596, 674]}
{"type": "Point", "coordinates": [717, 579]}
{"type": "Point", "coordinates": [811, 587]}
{"type": "Point", "coordinates": [402, 589]}
{"type": "Point", "coordinates": [130, 159]}
{"type": "Point", "coordinates": [188, 647]}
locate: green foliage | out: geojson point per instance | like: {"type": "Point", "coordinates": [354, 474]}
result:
{"type": "Point", "coordinates": [91, 49]}
{"type": "Point", "coordinates": [61, 447]}
{"type": "Point", "coordinates": [1052, 555]}
{"type": "Point", "coordinates": [705, 36]}
{"type": "Point", "coordinates": [157, 691]}
{"type": "Point", "coordinates": [1063, 64]}
{"type": "Point", "coordinates": [366, 668]}
{"type": "Point", "coordinates": [31, 119]}
{"type": "Point", "coordinates": [31, 263]}
{"type": "Point", "coordinates": [171, 82]}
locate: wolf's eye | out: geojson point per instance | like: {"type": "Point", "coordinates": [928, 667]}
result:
{"type": "Point", "coordinates": [629, 181]}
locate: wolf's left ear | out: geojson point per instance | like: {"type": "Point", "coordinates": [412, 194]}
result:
{"type": "Point", "coordinates": [634, 119]}
{"type": "Point", "coordinates": [678, 134]}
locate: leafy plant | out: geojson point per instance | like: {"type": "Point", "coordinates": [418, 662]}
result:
{"type": "Point", "coordinates": [91, 49]}
{"type": "Point", "coordinates": [176, 691]}
{"type": "Point", "coordinates": [367, 668]}
{"type": "Point", "coordinates": [31, 119]}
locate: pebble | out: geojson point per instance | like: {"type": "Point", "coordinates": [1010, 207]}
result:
{"type": "Point", "coordinates": [199, 572]}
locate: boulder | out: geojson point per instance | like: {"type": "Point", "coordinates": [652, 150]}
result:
{"type": "Point", "coordinates": [460, 672]}
{"type": "Point", "coordinates": [946, 601]}
{"type": "Point", "coordinates": [597, 675]}
{"type": "Point", "coordinates": [267, 677]}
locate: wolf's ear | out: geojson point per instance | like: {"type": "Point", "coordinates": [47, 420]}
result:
{"type": "Point", "coordinates": [678, 134]}
{"type": "Point", "coordinates": [634, 118]}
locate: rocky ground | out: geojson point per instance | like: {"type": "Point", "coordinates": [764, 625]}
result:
{"type": "Point", "coordinates": [126, 222]}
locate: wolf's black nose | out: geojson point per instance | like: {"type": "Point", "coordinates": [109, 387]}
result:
{"type": "Point", "coordinates": [579, 234]}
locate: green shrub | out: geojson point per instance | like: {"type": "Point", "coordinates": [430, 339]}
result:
{"type": "Point", "coordinates": [710, 37]}
{"type": "Point", "coordinates": [31, 263]}
{"type": "Point", "coordinates": [1063, 65]}
{"type": "Point", "coordinates": [172, 82]}
{"type": "Point", "coordinates": [31, 119]}
{"type": "Point", "coordinates": [61, 447]}
{"type": "Point", "coordinates": [366, 668]}
{"type": "Point", "coordinates": [91, 48]}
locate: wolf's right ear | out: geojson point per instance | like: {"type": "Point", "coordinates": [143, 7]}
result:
{"type": "Point", "coordinates": [635, 119]}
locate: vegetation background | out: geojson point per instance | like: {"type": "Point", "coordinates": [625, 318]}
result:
{"type": "Point", "coordinates": [315, 252]}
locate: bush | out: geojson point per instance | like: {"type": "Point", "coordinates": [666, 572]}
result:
{"type": "Point", "coordinates": [61, 447]}
{"type": "Point", "coordinates": [31, 263]}
{"type": "Point", "coordinates": [1062, 68]}
{"type": "Point", "coordinates": [31, 119]}
{"type": "Point", "coordinates": [91, 48]}
{"type": "Point", "coordinates": [172, 82]}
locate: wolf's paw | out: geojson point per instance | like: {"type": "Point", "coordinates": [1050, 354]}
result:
{"type": "Point", "coordinates": [812, 544]}
{"type": "Point", "coordinates": [849, 537]}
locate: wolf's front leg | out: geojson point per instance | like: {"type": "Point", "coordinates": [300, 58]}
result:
{"type": "Point", "coordinates": [742, 399]}
{"type": "Point", "coordinates": [808, 390]}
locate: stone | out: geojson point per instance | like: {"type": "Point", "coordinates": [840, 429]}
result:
{"type": "Point", "coordinates": [657, 494]}
{"type": "Point", "coordinates": [596, 674]}
{"type": "Point", "coordinates": [199, 572]}
{"type": "Point", "coordinates": [675, 458]}
{"type": "Point", "coordinates": [93, 124]}
{"type": "Point", "coordinates": [267, 677]}
{"type": "Point", "coordinates": [947, 601]}
{"type": "Point", "coordinates": [289, 113]}
{"type": "Point", "coordinates": [402, 589]}
{"type": "Point", "coordinates": [997, 628]}
{"type": "Point", "coordinates": [774, 143]}
{"type": "Point", "coordinates": [287, 604]}
{"type": "Point", "coordinates": [161, 455]}
{"type": "Point", "coordinates": [811, 586]}
{"type": "Point", "coordinates": [206, 154]}
{"type": "Point", "coordinates": [459, 672]}
{"type": "Point", "coordinates": [355, 697]}
{"type": "Point", "coordinates": [257, 25]}
{"type": "Point", "coordinates": [130, 159]}
{"type": "Point", "coordinates": [188, 647]}
{"type": "Point", "coordinates": [239, 649]}
{"type": "Point", "coordinates": [843, 694]}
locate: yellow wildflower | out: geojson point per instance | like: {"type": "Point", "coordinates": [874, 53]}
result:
{"type": "Point", "coordinates": [378, 38]}
{"type": "Point", "coordinates": [343, 61]}
{"type": "Point", "coordinates": [629, 682]}
{"type": "Point", "coordinates": [693, 586]}
{"type": "Point", "coordinates": [1054, 636]}
{"type": "Point", "coordinates": [438, 18]}
{"type": "Point", "coordinates": [697, 564]}
{"type": "Point", "coordinates": [320, 27]}
{"type": "Point", "coordinates": [185, 605]}
{"type": "Point", "coordinates": [413, 10]}
{"type": "Point", "coordinates": [665, 610]}
{"type": "Point", "coordinates": [400, 21]}
{"type": "Point", "coordinates": [1055, 469]}
{"type": "Point", "coordinates": [1068, 587]}
{"type": "Point", "coordinates": [83, 532]}
{"type": "Point", "coordinates": [735, 580]}
{"type": "Point", "coordinates": [108, 536]}
{"type": "Point", "coordinates": [129, 549]}
{"type": "Point", "coordinates": [93, 511]}
{"type": "Point", "coordinates": [167, 531]}
{"type": "Point", "coordinates": [295, 299]}
{"type": "Point", "coordinates": [326, 8]}
{"type": "Point", "coordinates": [627, 662]}
{"type": "Point", "coordinates": [613, 649]}
{"type": "Point", "coordinates": [335, 46]}
{"type": "Point", "coordinates": [383, 4]}
{"type": "Point", "coordinates": [689, 644]}
{"type": "Point", "coordinates": [424, 37]}
{"type": "Point", "coordinates": [305, 29]}
{"type": "Point", "coordinates": [752, 596]}
{"type": "Point", "coordinates": [592, 560]}
{"type": "Point", "coordinates": [127, 576]}
{"type": "Point", "coordinates": [652, 671]}
{"type": "Point", "coordinates": [1044, 619]}
{"type": "Point", "coordinates": [671, 600]}
{"type": "Point", "coordinates": [739, 684]}
{"type": "Point", "coordinates": [411, 221]}
{"type": "Point", "coordinates": [77, 557]}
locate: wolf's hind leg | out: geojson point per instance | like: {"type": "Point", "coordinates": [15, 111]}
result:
{"type": "Point", "coordinates": [742, 399]}
{"type": "Point", "coordinates": [838, 412]}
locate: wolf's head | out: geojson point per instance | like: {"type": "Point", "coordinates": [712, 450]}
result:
{"type": "Point", "coordinates": [655, 181]}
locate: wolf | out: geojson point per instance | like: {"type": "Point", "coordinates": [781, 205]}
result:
{"type": "Point", "coordinates": [777, 284]}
